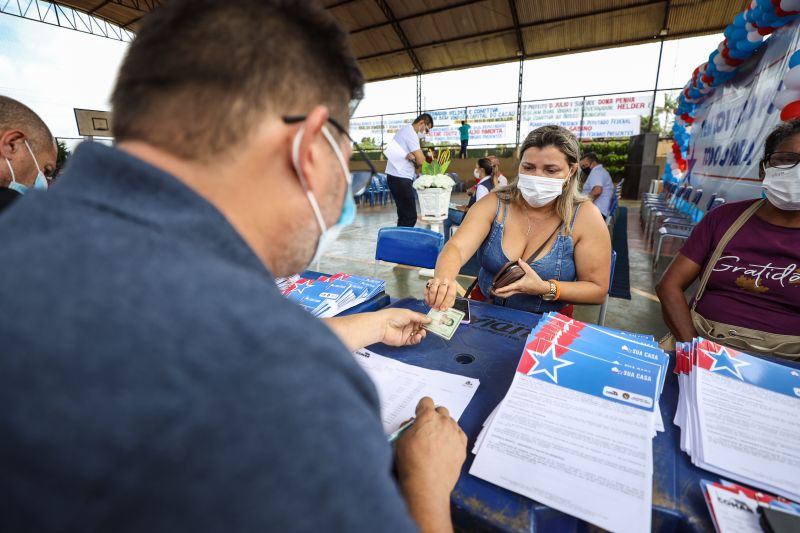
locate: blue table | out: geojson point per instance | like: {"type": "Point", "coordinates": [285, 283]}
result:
{"type": "Point", "coordinates": [488, 349]}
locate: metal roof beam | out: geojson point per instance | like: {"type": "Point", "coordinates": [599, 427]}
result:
{"type": "Point", "coordinates": [400, 34]}
{"type": "Point", "coordinates": [521, 26]}
{"type": "Point", "coordinates": [512, 6]}
{"type": "Point", "coordinates": [417, 15]}
{"type": "Point", "coordinates": [587, 48]}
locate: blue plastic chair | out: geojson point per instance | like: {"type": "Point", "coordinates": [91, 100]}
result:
{"type": "Point", "coordinates": [359, 195]}
{"type": "Point", "coordinates": [417, 247]}
{"type": "Point", "coordinates": [680, 229]}
{"type": "Point", "coordinates": [601, 319]}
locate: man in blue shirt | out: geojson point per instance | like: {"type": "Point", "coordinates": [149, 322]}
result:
{"type": "Point", "coordinates": [599, 186]}
{"type": "Point", "coordinates": [152, 376]}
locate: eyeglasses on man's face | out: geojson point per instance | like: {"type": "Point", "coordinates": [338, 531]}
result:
{"type": "Point", "coordinates": [360, 179]}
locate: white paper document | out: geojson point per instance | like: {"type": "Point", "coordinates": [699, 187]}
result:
{"type": "Point", "coordinates": [575, 429]}
{"type": "Point", "coordinates": [401, 386]}
{"type": "Point", "coordinates": [740, 416]}
{"type": "Point", "coordinates": [395, 154]}
{"type": "Point", "coordinates": [580, 454]}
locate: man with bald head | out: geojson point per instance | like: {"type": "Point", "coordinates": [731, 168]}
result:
{"type": "Point", "coordinates": [27, 149]}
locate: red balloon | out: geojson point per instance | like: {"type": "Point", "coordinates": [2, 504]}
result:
{"type": "Point", "coordinates": [766, 31]}
{"type": "Point", "coordinates": [791, 111]}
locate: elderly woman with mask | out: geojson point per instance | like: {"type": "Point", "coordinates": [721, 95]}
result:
{"type": "Point", "coordinates": [542, 224]}
{"type": "Point", "coordinates": [747, 256]}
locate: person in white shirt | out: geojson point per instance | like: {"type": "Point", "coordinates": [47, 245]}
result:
{"type": "Point", "coordinates": [598, 187]}
{"type": "Point", "coordinates": [401, 175]}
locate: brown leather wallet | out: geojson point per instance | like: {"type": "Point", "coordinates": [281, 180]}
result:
{"type": "Point", "coordinates": [512, 272]}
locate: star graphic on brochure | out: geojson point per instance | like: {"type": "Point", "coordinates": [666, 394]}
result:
{"type": "Point", "coordinates": [723, 361]}
{"type": "Point", "coordinates": [300, 287]}
{"type": "Point", "coordinates": [547, 363]}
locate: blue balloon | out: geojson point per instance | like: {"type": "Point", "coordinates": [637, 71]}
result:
{"type": "Point", "coordinates": [794, 59]}
{"type": "Point", "coordinates": [739, 20]}
{"type": "Point", "coordinates": [742, 50]}
{"type": "Point", "coordinates": [738, 33]}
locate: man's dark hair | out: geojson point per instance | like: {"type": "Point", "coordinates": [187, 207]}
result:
{"type": "Point", "coordinates": [463, 122]}
{"type": "Point", "coordinates": [783, 131]}
{"type": "Point", "coordinates": [591, 156]}
{"type": "Point", "coordinates": [16, 115]}
{"type": "Point", "coordinates": [202, 73]}
{"type": "Point", "coordinates": [425, 117]}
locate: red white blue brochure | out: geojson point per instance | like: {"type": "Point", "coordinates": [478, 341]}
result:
{"type": "Point", "coordinates": [734, 508]}
{"type": "Point", "coordinates": [575, 429]}
{"type": "Point", "coordinates": [740, 416]}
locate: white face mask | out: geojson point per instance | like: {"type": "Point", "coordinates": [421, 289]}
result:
{"type": "Point", "coordinates": [782, 187]}
{"type": "Point", "coordinates": [348, 213]}
{"type": "Point", "coordinates": [540, 190]}
{"type": "Point", "coordinates": [477, 174]}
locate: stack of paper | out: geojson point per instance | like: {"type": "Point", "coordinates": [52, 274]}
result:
{"type": "Point", "coordinates": [575, 429]}
{"type": "Point", "coordinates": [401, 386]}
{"type": "Point", "coordinates": [328, 296]}
{"type": "Point", "coordinates": [733, 507]}
{"type": "Point", "coordinates": [285, 283]}
{"type": "Point", "coordinates": [740, 416]}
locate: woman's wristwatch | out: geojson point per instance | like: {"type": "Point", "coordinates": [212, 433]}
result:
{"type": "Point", "coordinates": [554, 292]}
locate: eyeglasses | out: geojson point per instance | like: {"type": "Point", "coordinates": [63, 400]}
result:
{"type": "Point", "coordinates": [783, 160]}
{"type": "Point", "coordinates": [359, 179]}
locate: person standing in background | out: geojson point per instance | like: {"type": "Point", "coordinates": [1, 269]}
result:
{"type": "Point", "coordinates": [599, 186]}
{"type": "Point", "coordinates": [463, 131]}
{"type": "Point", "coordinates": [400, 176]}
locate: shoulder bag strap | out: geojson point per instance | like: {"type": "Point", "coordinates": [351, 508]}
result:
{"type": "Point", "coordinates": [735, 227]}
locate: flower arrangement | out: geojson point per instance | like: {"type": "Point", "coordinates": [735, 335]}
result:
{"type": "Point", "coordinates": [433, 174]}
{"type": "Point", "coordinates": [439, 181]}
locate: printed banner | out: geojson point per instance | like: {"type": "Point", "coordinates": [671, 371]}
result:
{"type": "Point", "coordinates": [603, 116]}
{"type": "Point", "coordinates": [731, 126]}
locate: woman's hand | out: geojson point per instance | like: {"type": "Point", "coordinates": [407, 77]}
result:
{"type": "Point", "coordinates": [530, 283]}
{"type": "Point", "coordinates": [441, 293]}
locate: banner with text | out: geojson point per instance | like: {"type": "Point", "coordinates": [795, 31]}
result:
{"type": "Point", "coordinates": [730, 127]}
{"type": "Point", "coordinates": [592, 118]}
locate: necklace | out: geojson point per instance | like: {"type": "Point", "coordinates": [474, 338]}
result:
{"type": "Point", "coordinates": [532, 223]}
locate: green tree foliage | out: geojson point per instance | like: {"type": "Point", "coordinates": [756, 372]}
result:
{"type": "Point", "coordinates": [63, 155]}
{"type": "Point", "coordinates": [613, 155]}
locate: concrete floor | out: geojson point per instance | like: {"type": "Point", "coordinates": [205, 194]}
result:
{"type": "Point", "coordinates": [353, 252]}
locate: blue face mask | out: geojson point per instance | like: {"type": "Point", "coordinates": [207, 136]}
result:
{"type": "Point", "coordinates": [39, 183]}
{"type": "Point", "coordinates": [348, 214]}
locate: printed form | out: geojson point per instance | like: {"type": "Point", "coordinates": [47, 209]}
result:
{"type": "Point", "coordinates": [575, 433]}
{"type": "Point", "coordinates": [401, 386]}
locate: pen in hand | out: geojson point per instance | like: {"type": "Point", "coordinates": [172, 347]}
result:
{"type": "Point", "coordinates": [394, 436]}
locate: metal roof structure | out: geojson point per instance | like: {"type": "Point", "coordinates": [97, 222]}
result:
{"type": "Point", "coordinates": [395, 38]}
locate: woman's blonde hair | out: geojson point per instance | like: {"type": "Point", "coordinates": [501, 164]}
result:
{"type": "Point", "coordinates": [568, 145]}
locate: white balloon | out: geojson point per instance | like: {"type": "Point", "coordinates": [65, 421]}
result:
{"type": "Point", "coordinates": [792, 78]}
{"type": "Point", "coordinates": [786, 97]}
{"type": "Point", "coordinates": [754, 37]}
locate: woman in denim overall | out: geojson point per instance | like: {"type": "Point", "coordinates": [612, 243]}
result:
{"type": "Point", "coordinates": [540, 213]}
